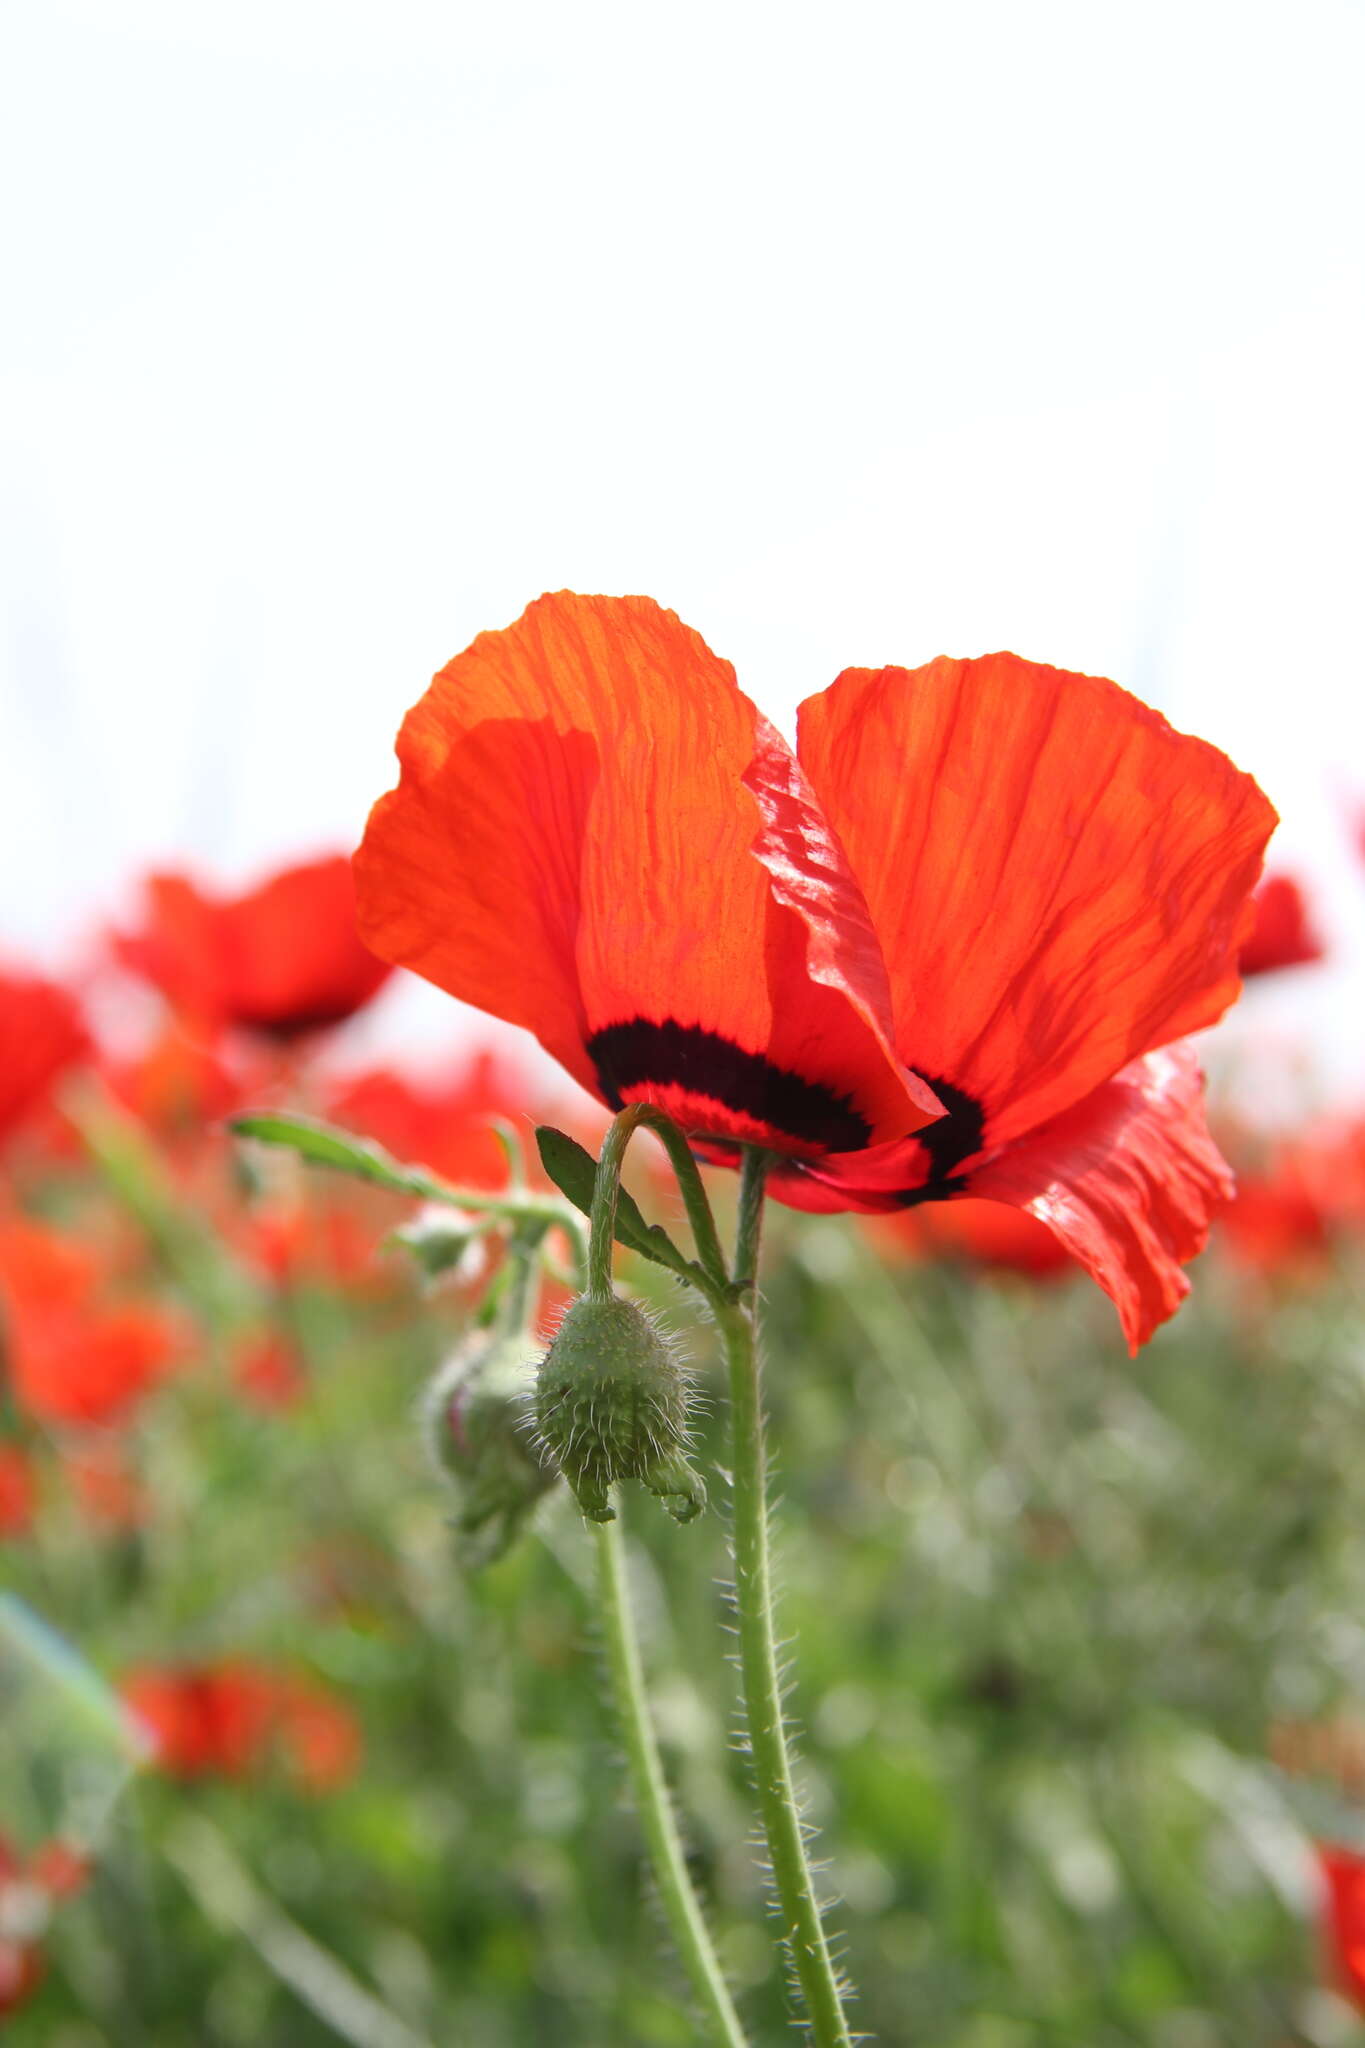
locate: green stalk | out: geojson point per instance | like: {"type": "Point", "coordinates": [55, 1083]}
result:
{"type": "Point", "coordinates": [652, 1800]}
{"type": "Point", "coordinates": [607, 1186]}
{"type": "Point", "coordinates": [771, 1761]}
{"type": "Point", "coordinates": [651, 1795]}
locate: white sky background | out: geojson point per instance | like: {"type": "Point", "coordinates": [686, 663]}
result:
{"type": "Point", "coordinates": [337, 332]}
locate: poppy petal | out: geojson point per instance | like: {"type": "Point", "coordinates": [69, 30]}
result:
{"type": "Point", "coordinates": [1127, 1180]}
{"type": "Point", "coordinates": [41, 1034]}
{"type": "Point", "coordinates": [571, 848]}
{"type": "Point", "coordinates": [283, 959]}
{"type": "Point", "coordinates": [811, 876]}
{"type": "Point", "coordinates": [1283, 934]}
{"type": "Point", "coordinates": [294, 955]}
{"type": "Point", "coordinates": [1059, 880]}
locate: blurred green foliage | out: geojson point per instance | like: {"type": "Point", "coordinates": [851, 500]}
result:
{"type": "Point", "coordinates": [1050, 1604]}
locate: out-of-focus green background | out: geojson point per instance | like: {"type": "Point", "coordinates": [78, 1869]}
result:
{"type": "Point", "coordinates": [1067, 1625]}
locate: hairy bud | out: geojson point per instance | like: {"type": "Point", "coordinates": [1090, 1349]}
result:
{"type": "Point", "coordinates": [476, 1419]}
{"type": "Point", "coordinates": [611, 1403]}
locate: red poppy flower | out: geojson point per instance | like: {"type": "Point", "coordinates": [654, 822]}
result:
{"type": "Point", "coordinates": [228, 1719]}
{"type": "Point", "coordinates": [28, 1887]}
{"type": "Point", "coordinates": [59, 1867]}
{"type": "Point", "coordinates": [985, 1233]}
{"type": "Point", "coordinates": [1344, 1917]}
{"type": "Point", "coordinates": [283, 959]}
{"type": "Point", "coordinates": [105, 1487]}
{"type": "Point", "coordinates": [445, 1125]}
{"type": "Point", "coordinates": [176, 1085]}
{"type": "Point", "coordinates": [1283, 933]}
{"type": "Point", "coordinates": [42, 1033]}
{"type": "Point", "coordinates": [72, 1355]}
{"type": "Point", "coordinates": [1331, 1159]}
{"type": "Point", "coordinates": [22, 1969]}
{"type": "Point", "coordinates": [268, 1371]}
{"type": "Point", "coordinates": [313, 1236]}
{"type": "Point", "coordinates": [18, 1492]}
{"type": "Point", "coordinates": [937, 951]}
{"type": "Point", "coordinates": [1277, 1223]}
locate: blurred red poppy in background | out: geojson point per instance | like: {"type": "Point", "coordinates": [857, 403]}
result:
{"type": "Point", "coordinates": [105, 1486]}
{"type": "Point", "coordinates": [176, 1085]}
{"type": "Point", "coordinates": [1283, 934]}
{"type": "Point", "coordinates": [939, 953]}
{"type": "Point", "coordinates": [282, 959]}
{"type": "Point", "coordinates": [983, 1234]}
{"type": "Point", "coordinates": [1344, 1918]}
{"type": "Point", "coordinates": [444, 1125]}
{"type": "Point", "coordinates": [72, 1354]}
{"type": "Point", "coordinates": [231, 1718]}
{"type": "Point", "coordinates": [42, 1033]}
{"type": "Point", "coordinates": [300, 1235]}
{"type": "Point", "coordinates": [18, 1490]}
{"type": "Point", "coordinates": [1277, 1222]}
{"type": "Point", "coordinates": [29, 1887]}
{"type": "Point", "coordinates": [268, 1371]}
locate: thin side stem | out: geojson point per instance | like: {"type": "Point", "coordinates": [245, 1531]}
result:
{"type": "Point", "coordinates": [700, 1220]}
{"type": "Point", "coordinates": [777, 1799]}
{"type": "Point", "coordinates": [651, 1796]}
{"type": "Point", "coordinates": [606, 1188]}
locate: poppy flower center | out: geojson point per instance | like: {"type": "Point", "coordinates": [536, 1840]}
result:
{"type": "Point", "coordinates": [710, 1069]}
{"type": "Point", "coordinates": [957, 1136]}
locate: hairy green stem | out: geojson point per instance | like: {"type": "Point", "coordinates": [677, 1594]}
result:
{"type": "Point", "coordinates": [651, 1795]}
{"type": "Point", "coordinates": [771, 1761]}
{"type": "Point", "coordinates": [606, 1187]}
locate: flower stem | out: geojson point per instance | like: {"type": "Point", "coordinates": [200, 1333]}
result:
{"type": "Point", "coordinates": [777, 1798]}
{"type": "Point", "coordinates": [606, 1188]}
{"type": "Point", "coordinates": [651, 1796]}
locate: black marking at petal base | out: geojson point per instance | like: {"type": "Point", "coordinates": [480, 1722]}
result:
{"type": "Point", "coordinates": [955, 1137]}
{"type": "Point", "coordinates": [640, 1050]}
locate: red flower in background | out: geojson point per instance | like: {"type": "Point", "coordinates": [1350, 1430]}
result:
{"type": "Point", "coordinates": [72, 1355]}
{"type": "Point", "coordinates": [42, 1033]}
{"type": "Point", "coordinates": [230, 1719]}
{"type": "Point", "coordinates": [18, 1491]}
{"type": "Point", "coordinates": [105, 1486]}
{"type": "Point", "coordinates": [310, 1236]}
{"type": "Point", "coordinates": [938, 951]}
{"type": "Point", "coordinates": [1278, 1221]}
{"type": "Point", "coordinates": [55, 1871]}
{"type": "Point", "coordinates": [1344, 1918]}
{"type": "Point", "coordinates": [444, 1125]}
{"type": "Point", "coordinates": [268, 1371]}
{"type": "Point", "coordinates": [176, 1085]}
{"type": "Point", "coordinates": [22, 1969]}
{"type": "Point", "coordinates": [1283, 934]}
{"type": "Point", "coordinates": [984, 1233]}
{"type": "Point", "coordinates": [282, 959]}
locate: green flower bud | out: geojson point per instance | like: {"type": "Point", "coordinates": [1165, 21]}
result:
{"type": "Point", "coordinates": [439, 1240]}
{"type": "Point", "coordinates": [478, 1426]}
{"type": "Point", "coordinates": [611, 1403]}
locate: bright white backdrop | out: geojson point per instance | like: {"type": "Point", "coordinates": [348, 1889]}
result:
{"type": "Point", "coordinates": [336, 332]}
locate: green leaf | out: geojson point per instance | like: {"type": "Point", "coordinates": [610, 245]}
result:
{"type": "Point", "coordinates": [574, 1172]}
{"type": "Point", "coordinates": [322, 1145]}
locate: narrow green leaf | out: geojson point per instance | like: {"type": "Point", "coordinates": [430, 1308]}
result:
{"type": "Point", "coordinates": [573, 1171]}
{"type": "Point", "coordinates": [323, 1145]}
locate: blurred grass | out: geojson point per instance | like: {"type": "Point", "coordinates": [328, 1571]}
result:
{"type": "Point", "coordinates": [1049, 1602]}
